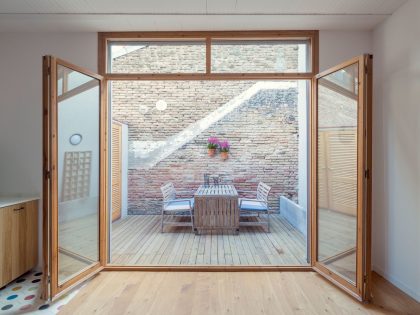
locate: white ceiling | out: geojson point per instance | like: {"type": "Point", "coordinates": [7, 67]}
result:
{"type": "Point", "coordinates": [117, 15]}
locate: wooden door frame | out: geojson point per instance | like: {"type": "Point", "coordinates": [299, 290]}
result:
{"type": "Point", "coordinates": [362, 289]}
{"type": "Point", "coordinates": [207, 36]}
{"type": "Point", "coordinates": [51, 287]}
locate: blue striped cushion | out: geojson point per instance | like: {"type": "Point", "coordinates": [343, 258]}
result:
{"type": "Point", "coordinates": [252, 205]}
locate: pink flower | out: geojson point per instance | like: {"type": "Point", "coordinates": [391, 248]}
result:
{"type": "Point", "coordinates": [212, 143]}
{"type": "Point", "coordinates": [224, 146]}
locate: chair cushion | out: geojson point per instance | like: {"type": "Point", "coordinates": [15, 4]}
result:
{"type": "Point", "coordinates": [251, 205]}
{"type": "Point", "coordinates": [179, 206]}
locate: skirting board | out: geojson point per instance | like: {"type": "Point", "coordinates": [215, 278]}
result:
{"type": "Point", "coordinates": [411, 292]}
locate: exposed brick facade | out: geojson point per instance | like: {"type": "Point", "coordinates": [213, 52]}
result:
{"type": "Point", "coordinates": [263, 132]}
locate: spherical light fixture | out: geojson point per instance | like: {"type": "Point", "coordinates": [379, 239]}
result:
{"type": "Point", "coordinates": [161, 105]}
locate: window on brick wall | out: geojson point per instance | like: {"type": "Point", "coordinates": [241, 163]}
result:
{"type": "Point", "coordinates": [209, 54]}
{"type": "Point", "coordinates": [260, 56]}
{"type": "Point", "coordinates": [157, 57]}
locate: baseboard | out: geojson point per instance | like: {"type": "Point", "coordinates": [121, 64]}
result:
{"type": "Point", "coordinates": [397, 283]}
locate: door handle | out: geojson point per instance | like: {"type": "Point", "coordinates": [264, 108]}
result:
{"type": "Point", "coordinates": [18, 209]}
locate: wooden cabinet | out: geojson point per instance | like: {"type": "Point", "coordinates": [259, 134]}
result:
{"type": "Point", "coordinates": [18, 240]}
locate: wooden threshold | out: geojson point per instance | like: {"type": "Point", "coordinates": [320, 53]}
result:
{"type": "Point", "coordinates": [209, 268]}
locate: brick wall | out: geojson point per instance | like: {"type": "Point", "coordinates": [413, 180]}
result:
{"type": "Point", "coordinates": [190, 58]}
{"type": "Point", "coordinates": [263, 132]}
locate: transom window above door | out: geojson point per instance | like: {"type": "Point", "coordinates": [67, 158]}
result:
{"type": "Point", "coordinates": [289, 54]}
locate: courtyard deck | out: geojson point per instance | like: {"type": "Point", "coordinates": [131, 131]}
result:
{"type": "Point", "coordinates": [137, 240]}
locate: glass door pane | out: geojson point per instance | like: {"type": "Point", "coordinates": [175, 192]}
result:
{"type": "Point", "coordinates": [78, 113]}
{"type": "Point", "coordinates": [340, 174]}
{"type": "Point", "coordinates": [337, 171]}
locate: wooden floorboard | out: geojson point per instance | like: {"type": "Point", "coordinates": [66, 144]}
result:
{"type": "Point", "coordinates": [234, 293]}
{"type": "Point", "coordinates": [137, 240]}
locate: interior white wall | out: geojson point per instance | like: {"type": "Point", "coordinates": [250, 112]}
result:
{"type": "Point", "coordinates": [338, 46]}
{"type": "Point", "coordinates": [396, 149]}
{"type": "Point", "coordinates": [21, 93]}
{"type": "Point", "coordinates": [21, 102]}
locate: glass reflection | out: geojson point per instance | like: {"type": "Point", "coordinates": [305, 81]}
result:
{"type": "Point", "coordinates": [78, 172]}
{"type": "Point", "coordinates": [337, 171]}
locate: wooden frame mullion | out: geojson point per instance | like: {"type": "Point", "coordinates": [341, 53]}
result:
{"type": "Point", "coordinates": [53, 175]}
{"type": "Point", "coordinates": [208, 55]}
{"type": "Point", "coordinates": [367, 272]}
{"type": "Point", "coordinates": [211, 76]}
{"type": "Point", "coordinates": [104, 175]}
{"type": "Point", "coordinates": [46, 184]}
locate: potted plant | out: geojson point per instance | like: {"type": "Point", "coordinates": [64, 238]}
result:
{"type": "Point", "coordinates": [224, 149]}
{"type": "Point", "coordinates": [212, 144]}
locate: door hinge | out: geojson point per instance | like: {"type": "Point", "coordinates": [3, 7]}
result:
{"type": "Point", "coordinates": [367, 173]}
{"type": "Point", "coordinates": [47, 174]}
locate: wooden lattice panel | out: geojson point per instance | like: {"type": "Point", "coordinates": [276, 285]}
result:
{"type": "Point", "coordinates": [76, 175]}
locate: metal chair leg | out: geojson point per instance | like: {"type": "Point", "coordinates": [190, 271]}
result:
{"type": "Point", "coordinates": [268, 221]}
{"type": "Point", "coordinates": [161, 222]}
{"type": "Point", "coordinates": [192, 221]}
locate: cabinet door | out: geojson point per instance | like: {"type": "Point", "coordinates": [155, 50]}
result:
{"type": "Point", "coordinates": [24, 237]}
{"type": "Point", "coordinates": [5, 245]}
{"type": "Point", "coordinates": [17, 243]}
{"type": "Point", "coordinates": [30, 235]}
{"type": "Point", "coordinates": [18, 240]}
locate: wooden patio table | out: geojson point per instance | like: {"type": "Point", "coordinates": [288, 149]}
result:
{"type": "Point", "coordinates": [216, 208]}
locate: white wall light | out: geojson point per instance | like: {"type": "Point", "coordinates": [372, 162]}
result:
{"type": "Point", "coordinates": [161, 105]}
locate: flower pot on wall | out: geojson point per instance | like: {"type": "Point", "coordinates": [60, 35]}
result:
{"type": "Point", "coordinates": [224, 155]}
{"type": "Point", "coordinates": [211, 152]}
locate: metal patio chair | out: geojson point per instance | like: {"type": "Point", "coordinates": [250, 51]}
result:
{"type": "Point", "coordinates": [258, 206]}
{"type": "Point", "coordinates": [173, 206]}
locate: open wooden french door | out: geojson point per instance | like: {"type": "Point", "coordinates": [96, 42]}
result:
{"type": "Point", "coordinates": [340, 175]}
{"type": "Point", "coordinates": [74, 191]}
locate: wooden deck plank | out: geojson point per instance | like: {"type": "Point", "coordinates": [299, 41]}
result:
{"type": "Point", "coordinates": [137, 240]}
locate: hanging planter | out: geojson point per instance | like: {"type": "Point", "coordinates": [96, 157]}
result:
{"type": "Point", "coordinates": [212, 145]}
{"type": "Point", "coordinates": [211, 152]}
{"type": "Point", "coordinates": [224, 149]}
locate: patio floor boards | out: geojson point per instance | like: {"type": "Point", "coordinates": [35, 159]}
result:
{"type": "Point", "coordinates": [137, 240]}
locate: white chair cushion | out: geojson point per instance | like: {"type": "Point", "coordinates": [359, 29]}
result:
{"type": "Point", "coordinates": [179, 206]}
{"type": "Point", "coordinates": [252, 205]}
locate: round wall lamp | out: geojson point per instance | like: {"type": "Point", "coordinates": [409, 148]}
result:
{"type": "Point", "coordinates": [161, 105]}
{"type": "Point", "coordinates": [75, 139]}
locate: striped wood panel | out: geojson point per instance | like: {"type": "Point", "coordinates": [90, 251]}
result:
{"type": "Point", "coordinates": [337, 170]}
{"type": "Point", "coordinates": [216, 207]}
{"type": "Point", "coordinates": [116, 170]}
